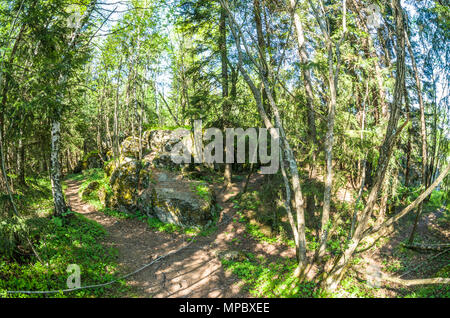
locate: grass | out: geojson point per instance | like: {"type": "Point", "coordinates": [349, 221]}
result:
{"type": "Point", "coordinates": [254, 230]}
{"type": "Point", "coordinates": [89, 176]}
{"type": "Point", "coordinates": [59, 242]}
{"type": "Point", "coordinates": [276, 280]}
{"type": "Point", "coordinates": [271, 280]}
{"type": "Point", "coordinates": [261, 278]}
{"type": "Point", "coordinates": [35, 198]}
{"type": "Point", "coordinates": [77, 241]}
{"type": "Point", "coordinates": [352, 288]}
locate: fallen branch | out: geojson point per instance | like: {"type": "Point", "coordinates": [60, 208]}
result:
{"type": "Point", "coordinates": [427, 247]}
{"type": "Point", "coordinates": [413, 282]}
{"type": "Point", "coordinates": [422, 263]}
{"type": "Point", "coordinates": [405, 282]}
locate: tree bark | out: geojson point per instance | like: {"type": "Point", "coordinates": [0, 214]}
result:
{"type": "Point", "coordinates": [55, 171]}
{"type": "Point", "coordinates": [306, 75]}
{"type": "Point", "coordinates": [423, 134]}
{"type": "Point", "coordinates": [298, 202]}
{"type": "Point", "coordinates": [225, 101]}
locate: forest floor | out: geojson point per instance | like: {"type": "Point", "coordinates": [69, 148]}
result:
{"type": "Point", "coordinates": [197, 270]}
{"type": "Point", "coordinates": [395, 260]}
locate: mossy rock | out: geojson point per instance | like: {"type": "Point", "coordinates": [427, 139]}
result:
{"type": "Point", "coordinates": [91, 160]}
{"type": "Point", "coordinates": [127, 182]}
{"type": "Point", "coordinates": [131, 145]}
{"type": "Point", "coordinates": [111, 165]}
{"type": "Point", "coordinates": [164, 161]}
{"type": "Point", "coordinates": [178, 201]}
{"type": "Point", "coordinates": [101, 193]}
{"type": "Point", "coordinates": [109, 155]}
{"type": "Point", "coordinates": [157, 139]}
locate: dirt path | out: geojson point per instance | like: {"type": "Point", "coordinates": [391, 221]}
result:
{"type": "Point", "coordinates": [195, 271]}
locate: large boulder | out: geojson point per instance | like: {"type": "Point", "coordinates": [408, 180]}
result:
{"type": "Point", "coordinates": [161, 144]}
{"type": "Point", "coordinates": [126, 182]}
{"type": "Point", "coordinates": [164, 160]}
{"type": "Point", "coordinates": [160, 140]}
{"type": "Point", "coordinates": [90, 161]}
{"type": "Point", "coordinates": [131, 145]}
{"type": "Point", "coordinates": [159, 193]}
{"type": "Point", "coordinates": [178, 201]}
{"type": "Point", "coordinates": [152, 186]}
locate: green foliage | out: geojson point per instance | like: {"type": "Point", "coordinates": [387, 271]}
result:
{"type": "Point", "coordinates": [173, 63]}
{"type": "Point", "coordinates": [271, 280]}
{"type": "Point", "coordinates": [33, 201]}
{"type": "Point", "coordinates": [13, 233]}
{"type": "Point", "coordinates": [203, 191]}
{"type": "Point", "coordinates": [89, 177]}
{"type": "Point", "coordinates": [350, 287]}
{"type": "Point", "coordinates": [58, 241]}
{"type": "Point", "coordinates": [156, 224]}
{"type": "Point", "coordinates": [437, 198]}
{"type": "Point", "coordinates": [158, 127]}
{"type": "Point", "coordinates": [433, 291]}
{"type": "Point", "coordinates": [392, 266]}
{"type": "Point", "coordinates": [256, 233]}
{"type": "Point", "coordinates": [79, 241]}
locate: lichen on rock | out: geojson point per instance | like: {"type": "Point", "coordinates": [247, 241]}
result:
{"type": "Point", "coordinates": [131, 145]}
{"type": "Point", "coordinates": [127, 181]}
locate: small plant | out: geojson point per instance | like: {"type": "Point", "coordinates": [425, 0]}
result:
{"type": "Point", "coordinates": [203, 191]}
{"type": "Point", "coordinates": [392, 265]}
{"type": "Point", "coordinates": [273, 280]}
{"type": "Point", "coordinates": [156, 224]}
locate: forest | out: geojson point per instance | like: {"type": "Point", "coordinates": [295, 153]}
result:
{"type": "Point", "coordinates": [348, 101]}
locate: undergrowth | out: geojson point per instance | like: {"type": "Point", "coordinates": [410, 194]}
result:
{"type": "Point", "coordinates": [271, 280]}
{"type": "Point", "coordinates": [78, 241]}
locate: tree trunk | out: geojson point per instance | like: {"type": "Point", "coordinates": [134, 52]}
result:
{"type": "Point", "coordinates": [306, 75]}
{"type": "Point", "coordinates": [423, 134]}
{"type": "Point", "coordinates": [225, 101]}
{"type": "Point", "coordinates": [298, 229]}
{"type": "Point", "coordinates": [341, 264]}
{"type": "Point", "coordinates": [261, 51]}
{"type": "Point", "coordinates": [329, 141]}
{"type": "Point", "coordinates": [55, 173]}
{"type": "Point", "coordinates": [21, 161]}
